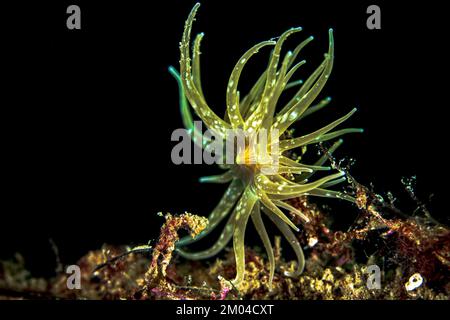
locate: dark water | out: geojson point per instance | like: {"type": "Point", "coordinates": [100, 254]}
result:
{"type": "Point", "coordinates": [87, 115]}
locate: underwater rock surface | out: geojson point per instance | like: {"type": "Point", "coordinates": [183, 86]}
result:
{"type": "Point", "coordinates": [414, 253]}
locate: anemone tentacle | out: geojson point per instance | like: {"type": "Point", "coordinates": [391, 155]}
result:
{"type": "Point", "coordinates": [222, 242]}
{"type": "Point", "coordinates": [222, 209]}
{"type": "Point", "coordinates": [293, 241]}
{"type": "Point", "coordinates": [261, 229]}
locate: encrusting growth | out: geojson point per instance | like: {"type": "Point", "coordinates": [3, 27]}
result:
{"type": "Point", "coordinates": [255, 188]}
{"type": "Point", "coordinates": [162, 252]}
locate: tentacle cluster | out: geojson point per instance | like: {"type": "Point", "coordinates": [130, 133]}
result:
{"type": "Point", "coordinates": [251, 190]}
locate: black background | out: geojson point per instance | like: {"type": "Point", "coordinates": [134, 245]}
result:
{"type": "Point", "coordinates": [87, 114]}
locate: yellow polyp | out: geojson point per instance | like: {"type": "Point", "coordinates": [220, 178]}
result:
{"type": "Point", "coordinates": [252, 187]}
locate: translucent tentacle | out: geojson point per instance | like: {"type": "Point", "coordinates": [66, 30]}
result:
{"type": "Point", "coordinates": [267, 186]}
{"type": "Point", "coordinates": [219, 213]}
{"type": "Point", "coordinates": [218, 246]}
{"type": "Point", "coordinates": [313, 137]}
{"type": "Point", "coordinates": [196, 63]}
{"type": "Point", "coordinates": [330, 151]}
{"type": "Point", "coordinates": [289, 162]}
{"type": "Point", "coordinates": [293, 241]}
{"type": "Point", "coordinates": [291, 73]}
{"type": "Point", "coordinates": [287, 206]}
{"type": "Point", "coordinates": [319, 192]}
{"type": "Point", "coordinates": [278, 178]}
{"type": "Point", "coordinates": [259, 85]}
{"type": "Point", "coordinates": [261, 229]}
{"type": "Point", "coordinates": [338, 133]}
{"type": "Point", "coordinates": [211, 120]}
{"type": "Point", "coordinates": [220, 178]}
{"type": "Point", "coordinates": [304, 88]}
{"type": "Point", "coordinates": [243, 210]}
{"type": "Point", "coordinates": [255, 120]}
{"type": "Point", "coordinates": [315, 108]}
{"type": "Point", "coordinates": [333, 182]}
{"type": "Point", "coordinates": [186, 115]}
{"type": "Point", "coordinates": [296, 170]}
{"type": "Point", "coordinates": [278, 89]}
{"type": "Point", "coordinates": [272, 207]}
{"type": "Point", "coordinates": [298, 49]}
{"type": "Point", "coordinates": [234, 113]}
{"type": "Point", "coordinates": [253, 95]}
{"type": "Point", "coordinates": [292, 114]}
{"type": "Point", "coordinates": [293, 84]}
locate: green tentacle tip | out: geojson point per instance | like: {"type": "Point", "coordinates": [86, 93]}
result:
{"type": "Point", "coordinates": [173, 71]}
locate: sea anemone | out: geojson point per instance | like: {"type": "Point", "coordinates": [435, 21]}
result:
{"type": "Point", "coordinates": [256, 187]}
